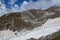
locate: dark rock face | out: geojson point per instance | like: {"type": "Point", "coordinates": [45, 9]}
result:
{"type": "Point", "coordinates": [56, 15]}
{"type": "Point", "coordinates": [22, 20]}
{"type": "Point", "coordinates": [53, 9]}
{"type": "Point", "coordinates": [14, 22]}
{"type": "Point", "coordinates": [56, 38]}
{"type": "Point", "coordinates": [37, 17]}
{"type": "Point", "coordinates": [32, 39]}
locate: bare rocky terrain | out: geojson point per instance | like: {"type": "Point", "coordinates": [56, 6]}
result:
{"type": "Point", "coordinates": [22, 20]}
{"type": "Point", "coordinates": [29, 20]}
{"type": "Point", "coordinates": [53, 12]}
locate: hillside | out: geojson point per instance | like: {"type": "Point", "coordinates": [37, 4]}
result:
{"type": "Point", "coordinates": [22, 20]}
{"type": "Point", "coordinates": [34, 20]}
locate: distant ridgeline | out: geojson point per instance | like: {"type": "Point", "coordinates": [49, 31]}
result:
{"type": "Point", "coordinates": [29, 19]}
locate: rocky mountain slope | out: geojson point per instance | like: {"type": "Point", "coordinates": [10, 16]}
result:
{"type": "Point", "coordinates": [47, 31]}
{"type": "Point", "coordinates": [22, 20]}
{"type": "Point", "coordinates": [28, 19]}
{"type": "Point", "coordinates": [55, 10]}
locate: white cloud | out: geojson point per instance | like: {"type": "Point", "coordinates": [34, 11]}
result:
{"type": "Point", "coordinates": [2, 9]}
{"type": "Point", "coordinates": [43, 4]}
{"type": "Point", "coordinates": [22, 7]}
{"type": "Point", "coordinates": [15, 8]}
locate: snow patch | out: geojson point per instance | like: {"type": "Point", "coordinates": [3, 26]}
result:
{"type": "Point", "coordinates": [51, 26]}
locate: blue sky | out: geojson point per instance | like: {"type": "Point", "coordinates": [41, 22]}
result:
{"type": "Point", "coordinates": [18, 2]}
{"type": "Point", "coordinates": [36, 4]}
{"type": "Point", "coordinates": [7, 6]}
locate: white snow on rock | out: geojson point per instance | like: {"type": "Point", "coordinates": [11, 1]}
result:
{"type": "Point", "coordinates": [51, 26]}
{"type": "Point", "coordinates": [6, 34]}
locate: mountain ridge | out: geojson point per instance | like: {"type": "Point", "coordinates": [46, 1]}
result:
{"type": "Point", "coordinates": [28, 19]}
